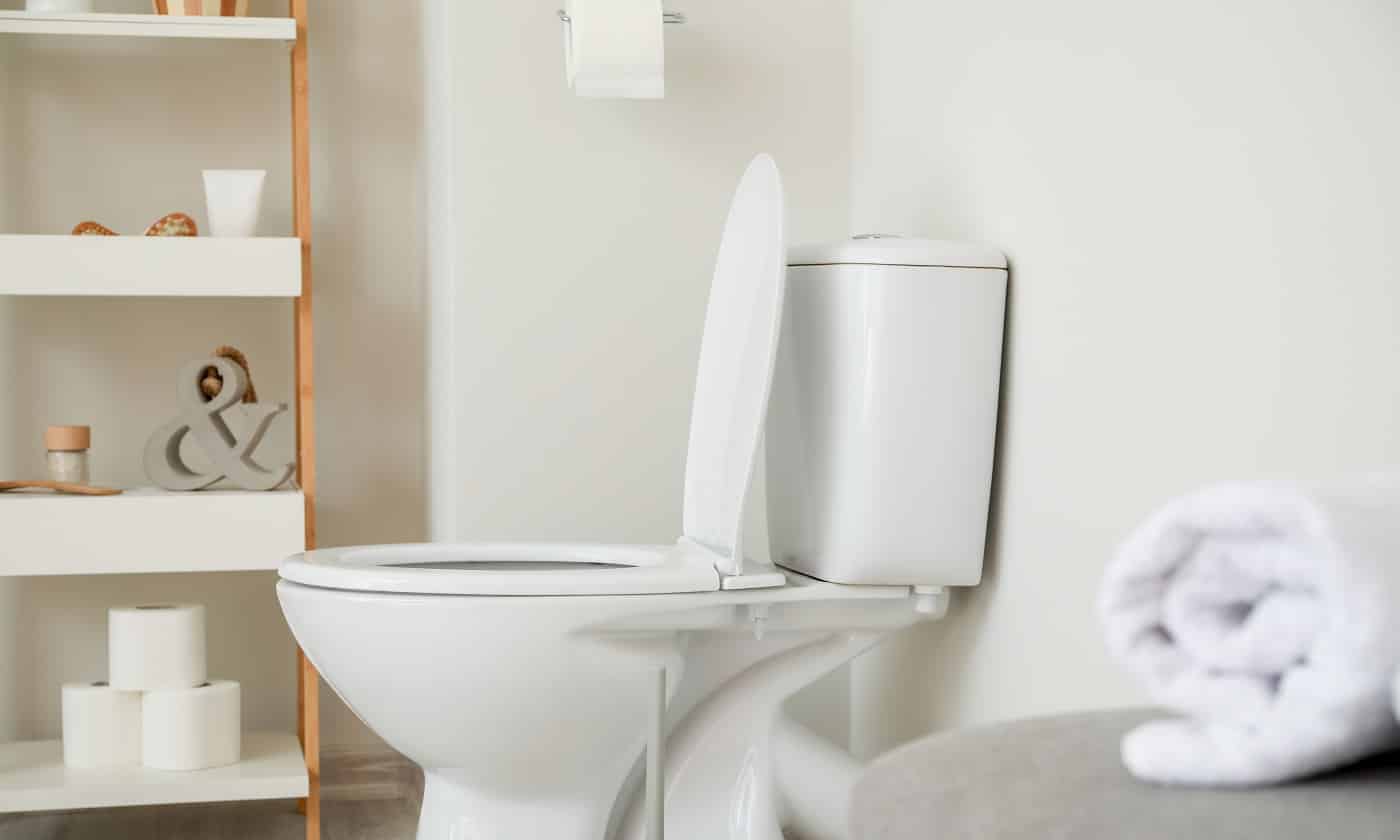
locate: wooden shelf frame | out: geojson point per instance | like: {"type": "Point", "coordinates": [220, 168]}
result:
{"type": "Point", "coordinates": [308, 681]}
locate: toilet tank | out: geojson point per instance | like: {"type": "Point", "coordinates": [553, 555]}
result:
{"type": "Point", "coordinates": [882, 422]}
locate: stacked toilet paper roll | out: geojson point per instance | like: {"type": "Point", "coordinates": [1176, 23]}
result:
{"type": "Point", "coordinates": [156, 647]}
{"type": "Point", "coordinates": [158, 708]}
{"type": "Point", "coordinates": [191, 728]}
{"type": "Point", "coordinates": [101, 726]}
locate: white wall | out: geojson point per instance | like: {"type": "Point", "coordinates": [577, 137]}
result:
{"type": "Point", "coordinates": [587, 235]}
{"type": "Point", "coordinates": [118, 132]}
{"type": "Point", "coordinates": [9, 590]}
{"type": "Point", "coordinates": [585, 238]}
{"type": "Point", "coordinates": [1201, 203]}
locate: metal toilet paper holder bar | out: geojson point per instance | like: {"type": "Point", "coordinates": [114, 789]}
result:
{"type": "Point", "coordinates": [666, 17]}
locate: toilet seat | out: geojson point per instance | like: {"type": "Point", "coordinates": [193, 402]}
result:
{"type": "Point", "coordinates": [506, 569]}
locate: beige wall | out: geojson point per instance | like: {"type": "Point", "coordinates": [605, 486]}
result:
{"type": "Point", "coordinates": [118, 132]}
{"type": "Point", "coordinates": [1200, 202]}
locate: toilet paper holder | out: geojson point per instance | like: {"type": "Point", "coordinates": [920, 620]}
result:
{"type": "Point", "coordinates": [666, 17]}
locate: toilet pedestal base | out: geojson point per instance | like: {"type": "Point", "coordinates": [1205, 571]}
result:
{"type": "Point", "coordinates": [453, 811]}
{"type": "Point", "coordinates": [720, 775]}
{"type": "Point", "coordinates": [719, 778]}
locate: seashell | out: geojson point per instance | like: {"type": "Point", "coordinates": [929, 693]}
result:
{"type": "Point", "coordinates": [211, 383]}
{"type": "Point", "coordinates": [93, 229]}
{"type": "Point", "coordinates": [174, 224]}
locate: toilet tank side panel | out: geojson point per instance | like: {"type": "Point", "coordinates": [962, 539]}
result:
{"type": "Point", "coordinates": [882, 429]}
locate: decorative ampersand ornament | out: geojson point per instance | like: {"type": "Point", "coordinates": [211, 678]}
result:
{"type": "Point", "coordinates": [231, 456]}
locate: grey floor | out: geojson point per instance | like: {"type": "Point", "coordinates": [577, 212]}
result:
{"type": "Point", "coordinates": [377, 819]}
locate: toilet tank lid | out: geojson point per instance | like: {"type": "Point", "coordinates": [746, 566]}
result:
{"type": "Point", "coordinates": [885, 249]}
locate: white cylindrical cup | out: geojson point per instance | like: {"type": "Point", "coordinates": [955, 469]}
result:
{"type": "Point", "coordinates": [156, 647]}
{"type": "Point", "coordinates": [101, 726]}
{"type": "Point", "coordinates": [192, 728]}
{"type": "Point", "coordinates": [61, 6]}
{"type": "Point", "coordinates": [233, 198]}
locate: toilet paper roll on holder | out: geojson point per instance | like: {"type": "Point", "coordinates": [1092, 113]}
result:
{"type": "Point", "coordinates": [666, 17]}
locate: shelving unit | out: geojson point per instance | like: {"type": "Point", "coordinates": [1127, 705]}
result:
{"type": "Point", "coordinates": [147, 531]}
{"type": "Point", "coordinates": [283, 30]}
{"type": "Point", "coordinates": [150, 266]}
{"type": "Point", "coordinates": [33, 778]}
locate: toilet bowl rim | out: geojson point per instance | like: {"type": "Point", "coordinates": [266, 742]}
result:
{"type": "Point", "coordinates": [573, 568]}
{"type": "Point", "coordinates": [326, 570]}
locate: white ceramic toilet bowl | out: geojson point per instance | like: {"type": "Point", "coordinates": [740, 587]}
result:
{"type": "Point", "coordinates": [528, 712]}
{"type": "Point", "coordinates": [527, 679]}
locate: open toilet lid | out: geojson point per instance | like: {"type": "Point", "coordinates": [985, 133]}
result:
{"type": "Point", "coordinates": [735, 374]}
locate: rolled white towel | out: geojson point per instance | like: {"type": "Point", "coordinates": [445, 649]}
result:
{"type": "Point", "coordinates": [1269, 615]}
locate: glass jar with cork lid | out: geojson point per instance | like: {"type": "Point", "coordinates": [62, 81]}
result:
{"type": "Point", "coordinates": [67, 456]}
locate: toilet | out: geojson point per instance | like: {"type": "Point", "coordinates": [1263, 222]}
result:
{"type": "Point", "coordinates": [628, 692]}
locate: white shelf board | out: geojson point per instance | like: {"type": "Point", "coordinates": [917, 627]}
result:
{"type": "Point", "coordinates": [33, 778]}
{"type": "Point", "coordinates": [148, 530]}
{"type": "Point", "coordinates": [150, 266]}
{"type": "Point", "coordinates": [150, 26]}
